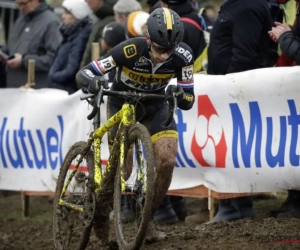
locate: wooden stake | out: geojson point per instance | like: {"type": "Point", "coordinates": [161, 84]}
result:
{"type": "Point", "coordinates": [211, 206]}
{"type": "Point", "coordinates": [31, 73]}
{"type": "Point", "coordinates": [95, 51]}
{"type": "Point", "coordinates": [25, 204]}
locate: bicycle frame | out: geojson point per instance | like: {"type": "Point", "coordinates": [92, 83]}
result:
{"type": "Point", "coordinates": [126, 117]}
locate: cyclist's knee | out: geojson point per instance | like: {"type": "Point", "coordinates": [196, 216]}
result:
{"type": "Point", "coordinates": [165, 151]}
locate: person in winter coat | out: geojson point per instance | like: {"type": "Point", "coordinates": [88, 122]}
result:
{"type": "Point", "coordinates": [136, 24]}
{"type": "Point", "coordinates": [34, 36]}
{"type": "Point", "coordinates": [103, 10]}
{"type": "Point", "coordinates": [123, 8]}
{"type": "Point", "coordinates": [113, 34]}
{"type": "Point", "coordinates": [239, 42]}
{"type": "Point", "coordinates": [289, 42]}
{"type": "Point", "coordinates": [193, 36]}
{"type": "Point", "coordinates": [75, 30]}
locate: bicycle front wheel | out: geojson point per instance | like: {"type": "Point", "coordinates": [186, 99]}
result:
{"type": "Point", "coordinates": [74, 201]}
{"type": "Point", "coordinates": [138, 190]}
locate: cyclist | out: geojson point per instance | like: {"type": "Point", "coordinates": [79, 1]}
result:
{"type": "Point", "coordinates": [147, 64]}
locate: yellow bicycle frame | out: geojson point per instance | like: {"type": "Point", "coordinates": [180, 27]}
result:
{"type": "Point", "coordinates": [126, 116]}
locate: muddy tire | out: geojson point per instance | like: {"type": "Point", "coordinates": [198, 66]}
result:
{"type": "Point", "coordinates": [127, 239]}
{"type": "Point", "coordinates": [75, 235]}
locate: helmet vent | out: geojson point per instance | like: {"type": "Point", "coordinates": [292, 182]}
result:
{"type": "Point", "coordinates": [158, 19]}
{"type": "Point", "coordinates": [169, 35]}
{"type": "Point", "coordinates": [176, 35]}
{"type": "Point", "coordinates": [161, 34]}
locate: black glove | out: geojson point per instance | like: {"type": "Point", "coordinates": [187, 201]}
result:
{"type": "Point", "coordinates": [177, 90]}
{"type": "Point", "coordinates": [95, 84]}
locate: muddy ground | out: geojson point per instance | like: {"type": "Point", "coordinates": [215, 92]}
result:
{"type": "Point", "coordinates": [34, 232]}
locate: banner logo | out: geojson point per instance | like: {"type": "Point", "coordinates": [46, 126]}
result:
{"type": "Point", "coordinates": [209, 138]}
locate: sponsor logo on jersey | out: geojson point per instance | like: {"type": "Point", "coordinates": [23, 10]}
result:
{"type": "Point", "coordinates": [142, 70]}
{"type": "Point", "coordinates": [143, 61]}
{"type": "Point", "coordinates": [130, 50]}
{"type": "Point", "coordinates": [144, 81]}
{"type": "Point", "coordinates": [184, 53]}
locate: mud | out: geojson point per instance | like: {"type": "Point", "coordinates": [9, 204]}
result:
{"type": "Point", "coordinates": [35, 231]}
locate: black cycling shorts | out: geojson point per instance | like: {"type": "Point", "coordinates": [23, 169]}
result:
{"type": "Point", "coordinates": [151, 114]}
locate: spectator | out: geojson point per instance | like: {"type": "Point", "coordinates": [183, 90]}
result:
{"type": "Point", "coordinates": [289, 41]}
{"type": "Point", "coordinates": [8, 16]}
{"type": "Point", "coordinates": [123, 8]}
{"type": "Point", "coordinates": [209, 11]}
{"type": "Point", "coordinates": [113, 34]}
{"type": "Point", "coordinates": [75, 30]}
{"type": "Point", "coordinates": [193, 30]}
{"type": "Point", "coordinates": [103, 10]}
{"type": "Point", "coordinates": [153, 4]}
{"type": "Point", "coordinates": [240, 42]}
{"type": "Point", "coordinates": [136, 24]}
{"type": "Point", "coordinates": [34, 36]}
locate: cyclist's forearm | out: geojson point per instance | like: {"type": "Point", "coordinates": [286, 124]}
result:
{"type": "Point", "coordinates": [85, 76]}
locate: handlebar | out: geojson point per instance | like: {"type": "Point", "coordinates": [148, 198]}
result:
{"type": "Point", "coordinates": [102, 92]}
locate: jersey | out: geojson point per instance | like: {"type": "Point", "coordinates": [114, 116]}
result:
{"type": "Point", "coordinates": [135, 71]}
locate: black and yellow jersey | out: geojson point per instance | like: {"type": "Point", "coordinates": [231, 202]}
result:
{"type": "Point", "coordinates": [135, 70]}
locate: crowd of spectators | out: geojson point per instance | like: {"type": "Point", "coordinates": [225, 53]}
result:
{"type": "Point", "coordinates": [241, 35]}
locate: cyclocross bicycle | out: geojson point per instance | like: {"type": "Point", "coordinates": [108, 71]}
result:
{"type": "Point", "coordinates": [86, 189]}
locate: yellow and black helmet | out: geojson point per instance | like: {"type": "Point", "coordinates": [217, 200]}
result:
{"type": "Point", "coordinates": [165, 28]}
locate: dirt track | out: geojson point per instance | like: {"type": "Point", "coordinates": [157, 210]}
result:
{"type": "Point", "coordinates": [35, 232]}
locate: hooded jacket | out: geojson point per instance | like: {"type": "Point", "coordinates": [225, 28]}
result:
{"type": "Point", "coordinates": [68, 57]}
{"type": "Point", "coordinates": [193, 37]}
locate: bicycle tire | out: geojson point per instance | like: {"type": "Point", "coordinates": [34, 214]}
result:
{"type": "Point", "coordinates": [141, 132]}
{"type": "Point", "coordinates": [77, 149]}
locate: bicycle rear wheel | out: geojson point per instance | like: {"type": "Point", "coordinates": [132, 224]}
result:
{"type": "Point", "coordinates": [74, 202]}
{"type": "Point", "coordinates": [139, 190]}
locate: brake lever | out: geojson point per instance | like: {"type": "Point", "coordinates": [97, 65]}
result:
{"type": "Point", "coordinates": [99, 96]}
{"type": "Point", "coordinates": [86, 97]}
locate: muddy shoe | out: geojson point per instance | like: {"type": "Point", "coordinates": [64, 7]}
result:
{"type": "Point", "coordinates": [126, 215]}
{"type": "Point", "coordinates": [227, 212]}
{"type": "Point", "coordinates": [197, 218]}
{"type": "Point", "coordinates": [289, 207]}
{"type": "Point", "coordinates": [165, 213]}
{"type": "Point", "coordinates": [179, 206]}
{"type": "Point", "coordinates": [153, 234]}
{"type": "Point", "coordinates": [290, 214]}
{"type": "Point", "coordinates": [127, 211]}
{"type": "Point", "coordinates": [245, 206]}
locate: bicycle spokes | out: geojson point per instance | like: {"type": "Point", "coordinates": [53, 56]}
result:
{"type": "Point", "coordinates": [74, 204]}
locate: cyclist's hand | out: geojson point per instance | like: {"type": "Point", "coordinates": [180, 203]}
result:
{"type": "Point", "coordinates": [95, 84]}
{"type": "Point", "coordinates": [175, 90]}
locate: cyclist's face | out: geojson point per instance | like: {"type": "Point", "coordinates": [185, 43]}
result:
{"type": "Point", "coordinates": [159, 53]}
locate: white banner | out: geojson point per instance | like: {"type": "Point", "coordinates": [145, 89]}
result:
{"type": "Point", "coordinates": [241, 135]}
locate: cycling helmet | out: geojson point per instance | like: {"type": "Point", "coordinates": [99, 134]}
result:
{"type": "Point", "coordinates": [164, 27]}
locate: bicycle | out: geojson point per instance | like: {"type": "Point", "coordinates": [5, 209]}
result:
{"type": "Point", "coordinates": [93, 204]}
